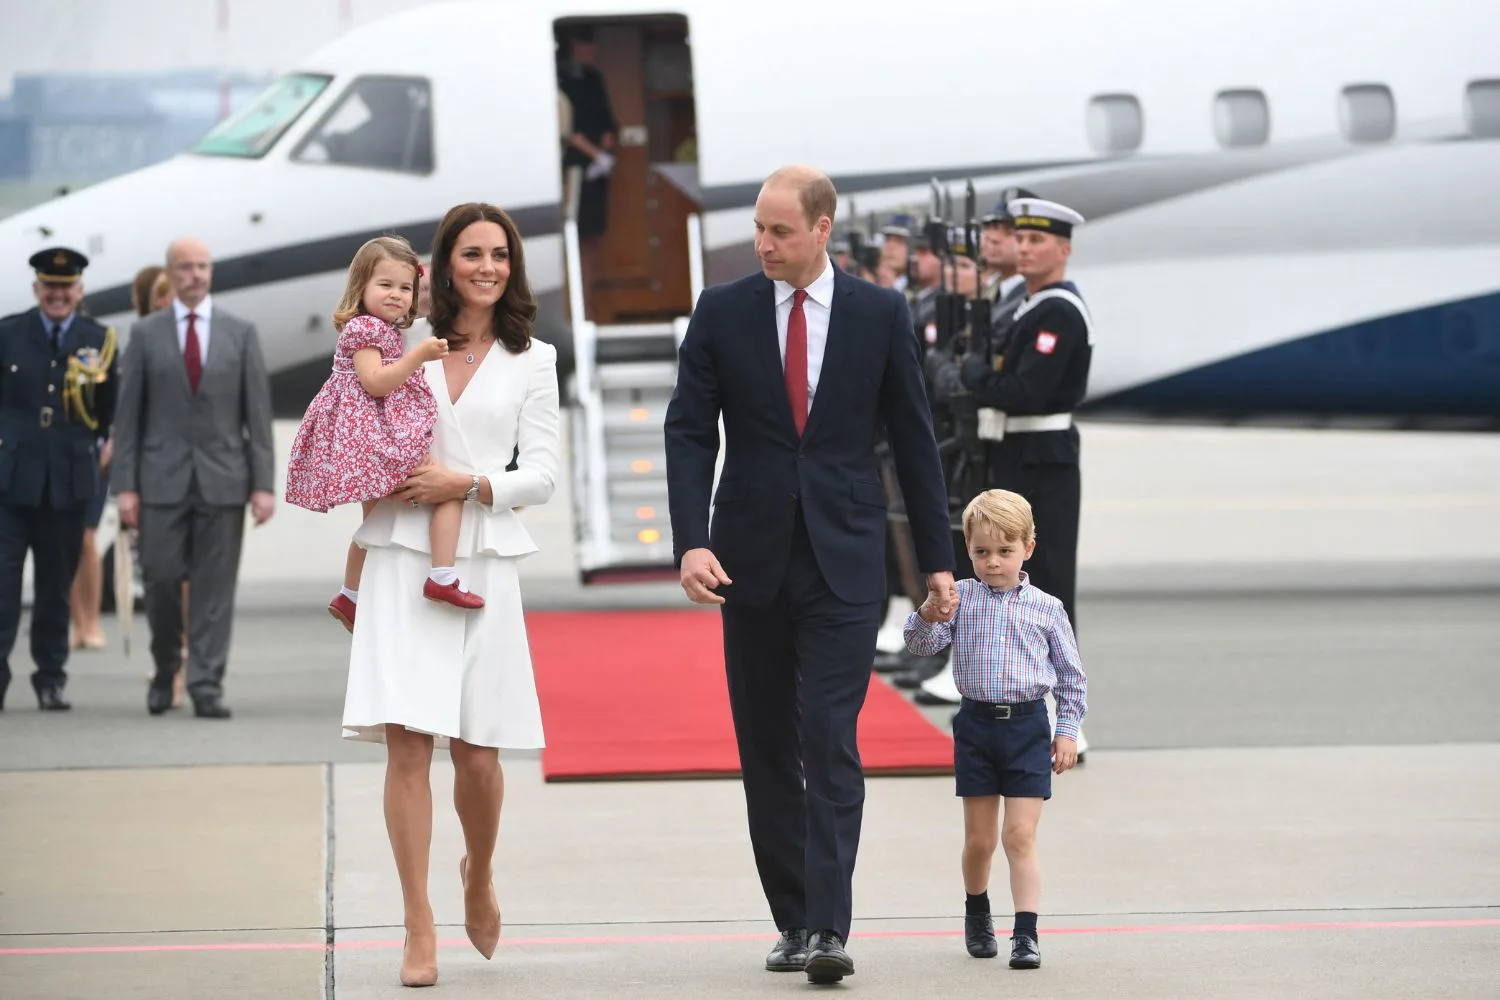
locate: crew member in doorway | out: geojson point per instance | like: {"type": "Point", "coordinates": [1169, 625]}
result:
{"type": "Point", "coordinates": [590, 145]}
{"type": "Point", "coordinates": [58, 372]}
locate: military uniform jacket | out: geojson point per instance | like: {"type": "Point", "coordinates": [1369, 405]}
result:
{"type": "Point", "coordinates": [1043, 368]}
{"type": "Point", "coordinates": [54, 410]}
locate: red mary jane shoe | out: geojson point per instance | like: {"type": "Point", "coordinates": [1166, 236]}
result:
{"type": "Point", "coordinates": [343, 609]}
{"type": "Point", "coordinates": [450, 594]}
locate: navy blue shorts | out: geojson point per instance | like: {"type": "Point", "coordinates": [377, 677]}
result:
{"type": "Point", "coordinates": [998, 756]}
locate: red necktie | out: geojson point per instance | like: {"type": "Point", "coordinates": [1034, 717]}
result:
{"type": "Point", "coordinates": [191, 355]}
{"type": "Point", "coordinates": [796, 361]}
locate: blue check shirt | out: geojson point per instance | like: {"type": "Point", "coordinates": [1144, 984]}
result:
{"type": "Point", "coordinates": [1009, 646]}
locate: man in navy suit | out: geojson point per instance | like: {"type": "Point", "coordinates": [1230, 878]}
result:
{"type": "Point", "coordinates": [803, 362]}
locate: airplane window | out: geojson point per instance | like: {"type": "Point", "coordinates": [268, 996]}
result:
{"type": "Point", "coordinates": [1482, 109]}
{"type": "Point", "coordinates": [380, 122]}
{"type": "Point", "coordinates": [254, 130]}
{"type": "Point", "coordinates": [1115, 123]}
{"type": "Point", "coordinates": [1241, 118]}
{"type": "Point", "coordinates": [1367, 113]}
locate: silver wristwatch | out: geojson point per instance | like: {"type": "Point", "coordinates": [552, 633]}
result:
{"type": "Point", "coordinates": [472, 494]}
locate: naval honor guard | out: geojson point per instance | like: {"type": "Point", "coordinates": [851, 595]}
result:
{"type": "Point", "coordinates": [1027, 392]}
{"type": "Point", "coordinates": [58, 372]}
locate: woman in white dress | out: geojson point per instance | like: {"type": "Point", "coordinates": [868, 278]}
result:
{"type": "Point", "coordinates": [424, 674]}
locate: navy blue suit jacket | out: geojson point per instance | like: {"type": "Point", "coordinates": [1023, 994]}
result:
{"type": "Point", "coordinates": [730, 364]}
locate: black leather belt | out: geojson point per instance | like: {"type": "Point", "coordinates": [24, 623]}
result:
{"type": "Point", "coordinates": [994, 710]}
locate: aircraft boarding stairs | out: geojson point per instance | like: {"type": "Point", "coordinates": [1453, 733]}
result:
{"type": "Point", "coordinates": [622, 381]}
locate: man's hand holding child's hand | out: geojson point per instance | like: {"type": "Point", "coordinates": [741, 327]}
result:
{"type": "Point", "coordinates": [929, 610]}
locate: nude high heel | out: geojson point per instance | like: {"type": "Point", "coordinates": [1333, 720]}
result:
{"type": "Point", "coordinates": [418, 975]}
{"type": "Point", "coordinates": [484, 940]}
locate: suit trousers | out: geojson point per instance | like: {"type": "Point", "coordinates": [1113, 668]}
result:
{"type": "Point", "coordinates": [198, 542]}
{"type": "Point", "coordinates": [798, 671]}
{"type": "Point", "coordinates": [55, 538]}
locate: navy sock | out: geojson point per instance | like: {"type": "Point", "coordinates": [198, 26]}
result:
{"type": "Point", "coordinates": [1025, 924]}
{"type": "Point", "coordinates": [977, 906]}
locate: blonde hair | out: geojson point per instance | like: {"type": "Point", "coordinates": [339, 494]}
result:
{"type": "Point", "coordinates": [362, 268]}
{"type": "Point", "coordinates": [1003, 512]}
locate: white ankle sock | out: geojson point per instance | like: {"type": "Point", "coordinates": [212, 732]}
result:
{"type": "Point", "coordinates": [353, 595]}
{"type": "Point", "coordinates": [443, 575]}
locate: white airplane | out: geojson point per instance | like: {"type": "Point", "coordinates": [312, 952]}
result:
{"type": "Point", "coordinates": [1291, 207]}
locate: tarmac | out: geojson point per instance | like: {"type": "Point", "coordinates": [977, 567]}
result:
{"type": "Point", "coordinates": [1293, 645]}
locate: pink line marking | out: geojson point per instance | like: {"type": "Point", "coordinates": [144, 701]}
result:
{"type": "Point", "coordinates": [1262, 928]}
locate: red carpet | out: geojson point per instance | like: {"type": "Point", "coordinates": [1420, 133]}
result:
{"type": "Point", "coordinates": [641, 694]}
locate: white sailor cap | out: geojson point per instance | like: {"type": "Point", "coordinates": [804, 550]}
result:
{"type": "Point", "coordinates": [1046, 216]}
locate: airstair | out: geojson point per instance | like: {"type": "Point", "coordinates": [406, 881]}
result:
{"type": "Point", "coordinates": [622, 381]}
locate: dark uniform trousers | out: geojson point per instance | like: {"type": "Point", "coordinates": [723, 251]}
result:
{"type": "Point", "coordinates": [55, 538]}
{"type": "Point", "coordinates": [1051, 483]}
{"type": "Point", "coordinates": [49, 478]}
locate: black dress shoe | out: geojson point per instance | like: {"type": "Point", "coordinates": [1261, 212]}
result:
{"type": "Point", "coordinates": [211, 708]}
{"type": "Point", "coordinates": [887, 662]}
{"type": "Point", "coordinates": [790, 953]}
{"type": "Point", "coordinates": [827, 962]}
{"type": "Point", "coordinates": [50, 699]}
{"type": "Point", "coordinates": [1024, 953]}
{"type": "Point", "coordinates": [979, 935]}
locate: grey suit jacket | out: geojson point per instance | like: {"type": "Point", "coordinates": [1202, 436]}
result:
{"type": "Point", "coordinates": [166, 435]}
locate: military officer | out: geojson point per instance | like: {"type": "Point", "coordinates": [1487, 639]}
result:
{"type": "Point", "coordinates": [58, 372]}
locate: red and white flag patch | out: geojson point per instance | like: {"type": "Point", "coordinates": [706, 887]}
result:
{"type": "Point", "coordinates": [1046, 342]}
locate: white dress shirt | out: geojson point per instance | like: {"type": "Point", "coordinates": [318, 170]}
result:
{"type": "Point", "coordinates": [816, 308]}
{"type": "Point", "coordinates": [204, 311]}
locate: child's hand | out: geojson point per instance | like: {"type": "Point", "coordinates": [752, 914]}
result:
{"type": "Point", "coordinates": [1064, 754]}
{"type": "Point", "coordinates": [431, 349]}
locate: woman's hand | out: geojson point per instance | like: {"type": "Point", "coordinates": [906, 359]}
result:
{"type": "Point", "coordinates": [430, 483]}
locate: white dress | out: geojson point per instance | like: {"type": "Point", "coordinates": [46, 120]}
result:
{"type": "Point", "coordinates": [430, 667]}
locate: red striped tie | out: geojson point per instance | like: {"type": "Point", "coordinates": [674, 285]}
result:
{"type": "Point", "coordinates": [796, 361]}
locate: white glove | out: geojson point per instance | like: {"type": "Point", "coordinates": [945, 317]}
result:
{"type": "Point", "coordinates": [602, 165]}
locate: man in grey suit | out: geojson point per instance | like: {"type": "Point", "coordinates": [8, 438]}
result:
{"type": "Point", "coordinates": [192, 445]}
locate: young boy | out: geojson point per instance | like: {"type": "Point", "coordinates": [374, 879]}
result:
{"type": "Point", "coordinates": [1012, 644]}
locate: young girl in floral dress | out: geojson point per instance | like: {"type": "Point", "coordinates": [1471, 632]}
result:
{"type": "Point", "coordinates": [371, 423]}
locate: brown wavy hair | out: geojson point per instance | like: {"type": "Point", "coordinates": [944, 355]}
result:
{"type": "Point", "coordinates": [374, 251]}
{"type": "Point", "coordinates": [514, 315]}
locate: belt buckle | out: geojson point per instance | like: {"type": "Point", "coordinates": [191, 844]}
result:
{"type": "Point", "coordinates": [1002, 711]}
{"type": "Point", "coordinates": [46, 417]}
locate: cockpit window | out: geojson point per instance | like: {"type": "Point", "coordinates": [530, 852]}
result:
{"type": "Point", "coordinates": [255, 129]}
{"type": "Point", "coordinates": [381, 122]}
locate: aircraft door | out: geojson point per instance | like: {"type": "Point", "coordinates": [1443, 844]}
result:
{"type": "Point", "coordinates": [632, 222]}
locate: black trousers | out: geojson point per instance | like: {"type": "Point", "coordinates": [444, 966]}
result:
{"type": "Point", "coordinates": [798, 672]}
{"type": "Point", "coordinates": [55, 538]}
{"type": "Point", "coordinates": [1055, 493]}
